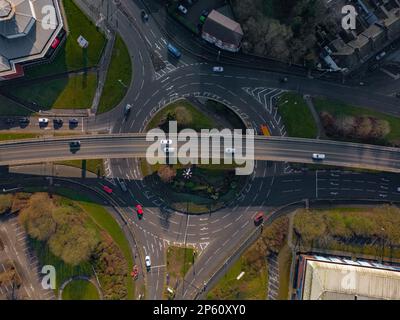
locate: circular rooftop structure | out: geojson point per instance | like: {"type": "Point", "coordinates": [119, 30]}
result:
{"type": "Point", "coordinates": [6, 10]}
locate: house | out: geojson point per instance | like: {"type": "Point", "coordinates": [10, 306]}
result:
{"type": "Point", "coordinates": [30, 31]}
{"type": "Point", "coordinates": [222, 31]}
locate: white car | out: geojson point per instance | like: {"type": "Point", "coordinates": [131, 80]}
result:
{"type": "Point", "coordinates": [230, 150]}
{"type": "Point", "coordinates": [169, 150]}
{"type": "Point", "coordinates": [398, 189]}
{"type": "Point", "coordinates": [44, 121]}
{"type": "Point", "coordinates": [218, 69]}
{"type": "Point", "coordinates": [318, 156]}
{"type": "Point", "coordinates": [182, 9]}
{"type": "Point", "coordinates": [148, 262]}
{"type": "Point", "coordinates": [166, 142]}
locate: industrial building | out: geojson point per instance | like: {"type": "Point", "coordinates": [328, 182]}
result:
{"type": "Point", "coordinates": [338, 278]}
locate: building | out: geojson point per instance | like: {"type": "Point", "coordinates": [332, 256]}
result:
{"type": "Point", "coordinates": [376, 29]}
{"type": "Point", "coordinates": [337, 278]}
{"type": "Point", "coordinates": [222, 31]}
{"type": "Point", "coordinates": [30, 32]}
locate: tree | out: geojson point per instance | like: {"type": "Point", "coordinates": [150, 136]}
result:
{"type": "Point", "coordinates": [37, 217]}
{"type": "Point", "coordinates": [166, 173]}
{"type": "Point", "coordinates": [6, 202]}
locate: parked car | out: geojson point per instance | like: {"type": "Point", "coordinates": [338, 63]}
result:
{"type": "Point", "coordinates": [73, 122]}
{"type": "Point", "coordinates": [182, 9]}
{"type": "Point", "coordinates": [205, 13]}
{"type": "Point", "coordinates": [43, 122]}
{"type": "Point", "coordinates": [230, 150]}
{"type": "Point", "coordinates": [24, 120]}
{"type": "Point", "coordinates": [380, 56]}
{"type": "Point", "coordinates": [259, 218]}
{"type": "Point", "coordinates": [318, 156]}
{"type": "Point", "coordinates": [58, 122]}
{"type": "Point", "coordinates": [107, 189]}
{"type": "Point", "coordinates": [148, 263]}
{"type": "Point", "coordinates": [218, 69]}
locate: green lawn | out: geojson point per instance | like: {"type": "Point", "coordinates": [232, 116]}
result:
{"type": "Point", "coordinates": [338, 109]}
{"type": "Point", "coordinates": [72, 56]}
{"type": "Point", "coordinates": [11, 108]}
{"type": "Point", "coordinates": [95, 166]}
{"type": "Point", "coordinates": [80, 290]}
{"type": "Point", "coordinates": [119, 77]}
{"type": "Point", "coordinates": [17, 136]}
{"type": "Point", "coordinates": [296, 116]}
{"type": "Point", "coordinates": [198, 119]}
{"type": "Point", "coordinates": [75, 92]}
{"type": "Point", "coordinates": [104, 220]}
{"type": "Point", "coordinates": [64, 271]}
{"type": "Point", "coordinates": [252, 286]}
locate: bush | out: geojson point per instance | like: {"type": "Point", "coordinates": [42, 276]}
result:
{"type": "Point", "coordinates": [6, 202]}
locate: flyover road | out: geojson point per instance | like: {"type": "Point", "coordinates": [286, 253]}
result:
{"type": "Point", "coordinates": [120, 146]}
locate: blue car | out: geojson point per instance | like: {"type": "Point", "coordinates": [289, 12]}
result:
{"type": "Point", "coordinates": [174, 51]}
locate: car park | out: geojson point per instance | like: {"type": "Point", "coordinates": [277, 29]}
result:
{"type": "Point", "coordinates": [107, 190]}
{"type": "Point", "coordinates": [148, 262]}
{"type": "Point", "coordinates": [318, 156]}
{"type": "Point", "coordinates": [182, 9]}
{"type": "Point", "coordinates": [218, 69]}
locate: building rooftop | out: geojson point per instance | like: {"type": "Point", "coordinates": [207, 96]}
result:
{"type": "Point", "coordinates": [26, 31]}
{"type": "Point", "coordinates": [223, 28]}
{"type": "Point", "coordinates": [327, 280]}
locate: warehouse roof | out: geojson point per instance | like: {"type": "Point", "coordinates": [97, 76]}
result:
{"type": "Point", "coordinates": [326, 280]}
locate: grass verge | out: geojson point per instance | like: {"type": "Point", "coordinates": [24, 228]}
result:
{"type": "Point", "coordinates": [80, 290]}
{"type": "Point", "coordinates": [296, 116]}
{"type": "Point", "coordinates": [95, 166]}
{"type": "Point", "coordinates": [119, 77]}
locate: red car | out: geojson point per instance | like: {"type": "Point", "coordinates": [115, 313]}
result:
{"type": "Point", "coordinates": [107, 189]}
{"type": "Point", "coordinates": [139, 210]}
{"type": "Point", "coordinates": [259, 218]}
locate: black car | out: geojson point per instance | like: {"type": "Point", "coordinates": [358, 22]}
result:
{"type": "Point", "coordinates": [9, 121]}
{"type": "Point", "coordinates": [73, 123]}
{"type": "Point", "coordinates": [75, 146]}
{"type": "Point", "coordinates": [144, 15]}
{"type": "Point", "coordinates": [58, 121]}
{"type": "Point", "coordinates": [24, 120]}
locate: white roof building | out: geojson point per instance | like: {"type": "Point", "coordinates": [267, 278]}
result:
{"type": "Point", "coordinates": [28, 28]}
{"type": "Point", "coordinates": [327, 280]}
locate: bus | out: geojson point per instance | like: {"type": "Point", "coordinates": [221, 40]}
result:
{"type": "Point", "coordinates": [174, 51]}
{"type": "Point", "coordinates": [265, 131]}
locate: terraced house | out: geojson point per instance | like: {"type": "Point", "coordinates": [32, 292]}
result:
{"type": "Point", "coordinates": [30, 32]}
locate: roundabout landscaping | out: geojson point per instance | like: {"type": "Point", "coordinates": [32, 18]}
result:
{"type": "Point", "coordinates": [209, 187]}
